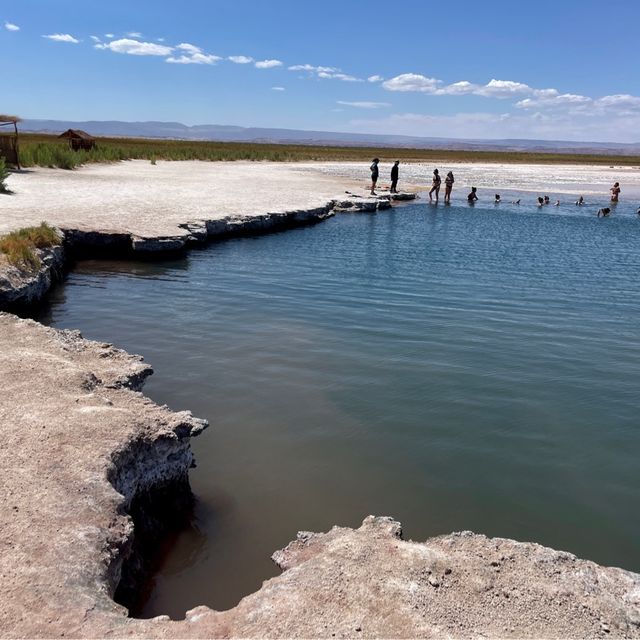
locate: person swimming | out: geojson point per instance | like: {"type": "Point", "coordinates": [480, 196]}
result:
{"type": "Point", "coordinates": [604, 212]}
{"type": "Point", "coordinates": [557, 203]}
{"type": "Point", "coordinates": [515, 201]}
{"type": "Point", "coordinates": [540, 201]}
{"type": "Point", "coordinates": [580, 201]}
{"type": "Point", "coordinates": [473, 196]}
{"type": "Point", "coordinates": [547, 200]}
{"type": "Point", "coordinates": [497, 198]}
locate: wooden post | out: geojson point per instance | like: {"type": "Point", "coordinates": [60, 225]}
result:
{"type": "Point", "coordinates": [15, 126]}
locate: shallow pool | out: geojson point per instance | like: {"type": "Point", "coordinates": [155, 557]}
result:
{"type": "Point", "coordinates": [456, 368]}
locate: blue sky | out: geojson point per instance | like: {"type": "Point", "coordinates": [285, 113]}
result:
{"type": "Point", "coordinates": [566, 69]}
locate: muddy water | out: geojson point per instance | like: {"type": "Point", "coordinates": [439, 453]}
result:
{"type": "Point", "coordinates": [457, 368]}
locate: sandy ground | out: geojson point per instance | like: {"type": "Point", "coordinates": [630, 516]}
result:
{"type": "Point", "coordinates": [146, 200]}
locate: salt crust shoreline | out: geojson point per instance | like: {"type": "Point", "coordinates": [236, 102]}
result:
{"type": "Point", "coordinates": [81, 442]}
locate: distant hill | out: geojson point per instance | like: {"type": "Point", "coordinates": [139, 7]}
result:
{"type": "Point", "coordinates": [224, 133]}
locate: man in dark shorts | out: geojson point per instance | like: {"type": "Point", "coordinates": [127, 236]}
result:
{"type": "Point", "coordinates": [374, 175]}
{"type": "Point", "coordinates": [395, 170]}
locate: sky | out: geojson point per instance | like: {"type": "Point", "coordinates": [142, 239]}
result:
{"type": "Point", "coordinates": [556, 70]}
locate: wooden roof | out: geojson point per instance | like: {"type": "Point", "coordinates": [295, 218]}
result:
{"type": "Point", "coordinates": [76, 133]}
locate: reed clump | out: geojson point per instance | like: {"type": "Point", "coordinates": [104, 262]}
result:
{"type": "Point", "coordinates": [45, 150]}
{"type": "Point", "coordinates": [21, 247]}
{"type": "Point", "coordinates": [4, 174]}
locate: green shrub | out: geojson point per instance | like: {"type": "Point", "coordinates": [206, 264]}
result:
{"type": "Point", "coordinates": [4, 174]}
{"type": "Point", "coordinates": [20, 246]}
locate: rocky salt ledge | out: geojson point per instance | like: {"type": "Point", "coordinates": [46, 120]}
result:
{"type": "Point", "coordinates": [19, 288]}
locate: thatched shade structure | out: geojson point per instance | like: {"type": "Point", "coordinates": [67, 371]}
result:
{"type": "Point", "coordinates": [9, 139]}
{"type": "Point", "coordinates": [78, 139]}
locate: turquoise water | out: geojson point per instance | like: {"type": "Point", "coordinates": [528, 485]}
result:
{"type": "Point", "coordinates": [456, 368]}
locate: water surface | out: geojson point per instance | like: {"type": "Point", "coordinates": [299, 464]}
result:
{"type": "Point", "coordinates": [456, 368]}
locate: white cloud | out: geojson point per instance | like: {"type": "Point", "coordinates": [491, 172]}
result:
{"type": "Point", "coordinates": [95, 38]}
{"type": "Point", "coordinates": [160, 39]}
{"type": "Point", "coordinates": [375, 79]}
{"type": "Point", "coordinates": [189, 48]}
{"type": "Point", "coordinates": [313, 69]}
{"type": "Point", "coordinates": [134, 34]}
{"type": "Point", "coordinates": [537, 125]}
{"type": "Point", "coordinates": [62, 37]}
{"type": "Point", "coordinates": [411, 82]}
{"type": "Point", "coordinates": [364, 105]}
{"type": "Point", "coordinates": [109, 35]}
{"type": "Point", "coordinates": [278, 89]}
{"type": "Point", "coordinates": [619, 101]}
{"type": "Point", "coordinates": [268, 64]}
{"type": "Point", "coordinates": [240, 59]}
{"type": "Point", "coordinates": [550, 101]}
{"type": "Point", "coordinates": [136, 48]}
{"type": "Point", "coordinates": [501, 89]}
{"type": "Point", "coordinates": [9, 26]}
{"type": "Point", "coordinates": [331, 73]}
{"type": "Point", "coordinates": [345, 77]}
{"type": "Point", "coordinates": [194, 58]}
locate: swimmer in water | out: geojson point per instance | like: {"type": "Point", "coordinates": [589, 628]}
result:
{"type": "Point", "coordinates": [547, 200]}
{"type": "Point", "coordinates": [540, 201]}
{"type": "Point", "coordinates": [516, 201]}
{"type": "Point", "coordinates": [557, 203]}
{"type": "Point", "coordinates": [473, 196]}
{"type": "Point", "coordinates": [580, 201]}
{"type": "Point", "coordinates": [497, 200]}
{"type": "Point", "coordinates": [615, 192]}
{"type": "Point", "coordinates": [604, 212]}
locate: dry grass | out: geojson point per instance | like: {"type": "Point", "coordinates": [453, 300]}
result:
{"type": "Point", "coordinates": [20, 247]}
{"type": "Point", "coordinates": [47, 151]}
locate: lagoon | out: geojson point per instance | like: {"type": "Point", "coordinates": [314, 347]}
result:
{"type": "Point", "coordinates": [454, 367]}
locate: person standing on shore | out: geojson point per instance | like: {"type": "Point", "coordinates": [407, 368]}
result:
{"type": "Point", "coordinates": [615, 192]}
{"type": "Point", "coordinates": [395, 170]}
{"type": "Point", "coordinates": [448, 186]}
{"type": "Point", "coordinates": [437, 181]}
{"type": "Point", "coordinates": [374, 175]}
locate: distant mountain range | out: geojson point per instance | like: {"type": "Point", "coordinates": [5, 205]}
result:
{"type": "Point", "coordinates": [178, 131]}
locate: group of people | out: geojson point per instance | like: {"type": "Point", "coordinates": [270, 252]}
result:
{"type": "Point", "coordinates": [449, 180]}
{"type": "Point", "coordinates": [395, 173]}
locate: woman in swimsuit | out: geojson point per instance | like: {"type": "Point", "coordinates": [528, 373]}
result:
{"type": "Point", "coordinates": [448, 186]}
{"type": "Point", "coordinates": [437, 181]}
